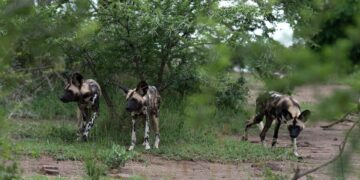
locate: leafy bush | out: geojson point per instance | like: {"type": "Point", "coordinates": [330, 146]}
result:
{"type": "Point", "coordinates": [47, 106]}
{"type": "Point", "coordinates": [117, 156]}
{"type": "Point", "coordinates": [233, 95]}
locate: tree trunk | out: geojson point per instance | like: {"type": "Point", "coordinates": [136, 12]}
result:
{"type": "Point", "coordinates": [161, 73]}
{"type": "Point", "coordinates": [109, 103]}
{"type": "Point", "coordinates": [140, 72]}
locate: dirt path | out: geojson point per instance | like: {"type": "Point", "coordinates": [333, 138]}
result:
{"type": "Point", "coordinates": [315, 145]}
{"type": "Point", "coordinates": [69, 169]}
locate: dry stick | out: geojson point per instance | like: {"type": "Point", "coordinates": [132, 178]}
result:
{"type": "Point", "coordinates": [298, 175]}
{"type": "Point", "coordinates": [343, 119]}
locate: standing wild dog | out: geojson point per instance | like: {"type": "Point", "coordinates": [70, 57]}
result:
{"type": "Point", "coordinates": [284, 109]}
{"type": "Point", "coordinates": [143, 102]}
{"type": "Point", "coordinates": [86, 92]}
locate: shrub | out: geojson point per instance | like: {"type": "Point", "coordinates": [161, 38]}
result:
{"type": "Point", "coordinates": [232, 95]}
{"type": "Point", "coordinates": [116, 156]}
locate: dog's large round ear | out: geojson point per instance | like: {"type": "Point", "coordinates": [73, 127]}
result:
{"type": "Point", "coordinates": [304, 116]}
{"type": "Point", "coordinates": [142, 88]}
{"type": "Point", "coordinates": [77, 79]}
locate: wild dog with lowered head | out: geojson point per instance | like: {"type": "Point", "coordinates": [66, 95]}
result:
{"type": "Point", "coordinates": [86, 92]}
{"type": "Point", "coordinates": [143, 102]}
{"type": "Point", "coordinates": [283, 108]}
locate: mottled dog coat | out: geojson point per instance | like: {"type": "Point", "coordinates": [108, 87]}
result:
{"type": "Point", "coordinates": [285, 109]}
{"type": "Point", "coordinates": [86, 92]}
{"type": "Point", "coordinates": [143, 103]}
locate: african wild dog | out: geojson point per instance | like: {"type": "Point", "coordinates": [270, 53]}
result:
{"type": "Point", "coordinates": [143, 102]}
{"type": "Point", "coordinates": [86, 92]}
{"type": "Point", "coordinates": [284, 109]}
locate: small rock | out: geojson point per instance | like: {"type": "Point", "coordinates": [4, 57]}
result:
{"type": "Point", "coordinates": [50, 170]}
{"type": "Point", "coordinates": [121, 175]}
{"type": "Point", "coordinates": [274, 166]}
{"type": "Point", "coordinates": [255, 165]}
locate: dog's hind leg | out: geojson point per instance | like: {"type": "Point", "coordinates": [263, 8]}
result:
{"type": "Point", "coordinates": [147, 131]}
{"type": "Point", "coordinates": [256, 120]}
{"type": "Point", "coordinates": [276, 132]}
{"type": "Point", "coordinates": [268, 123]}
{"type": "Point", "coordinates": [157, 131]}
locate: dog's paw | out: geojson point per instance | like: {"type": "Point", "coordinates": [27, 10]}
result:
{"type": "Point", "coordinates": [147, 147]}
{"type": "Point", "coordinates": [84, 138]}
{"type": "Point", "coordinates": [300, 158]}
{"type": "Point", "coordinates": [131, 148]}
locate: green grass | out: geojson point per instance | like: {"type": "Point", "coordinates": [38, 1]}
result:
{"type": "Point", "coordinates": [35, 138]}
{"type": "Point", "coordinates": [57, 138]}
{"type": "Point", "coordinates": [227, 150]}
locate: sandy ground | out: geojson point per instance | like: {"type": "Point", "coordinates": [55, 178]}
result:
{"type": "Point", "coordinates": [315, 145]}
{"type": "Point", "coordinates": [69, 169]}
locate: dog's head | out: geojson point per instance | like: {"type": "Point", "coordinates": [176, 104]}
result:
{"type": "Point", "coordinates": [135, 98]}
{"type": "Point", "coordinates": [296, 124]}
{"type": "Point", "coordinates": [72, 88]}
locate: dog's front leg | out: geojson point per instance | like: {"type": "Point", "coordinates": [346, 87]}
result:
{"type": "Point", "coordinates": [133, 133]}
{"type": "Point", "coordinates": [82, 119]}
{"type": "Point", "coordinates": [295, 148]}
{"type": "Point", "coordinates": [89, 125]}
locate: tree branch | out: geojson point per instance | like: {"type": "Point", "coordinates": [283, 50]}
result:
{"type": "Point", "coordinates": [168, 85]}
{"type": "Point", "coordinates": [343, 119]}
{"type": "Point", "coordinates": [298, 175]}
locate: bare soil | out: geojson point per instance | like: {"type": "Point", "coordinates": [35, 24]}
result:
{"type": "Point", "coordinates": [315, 145]}
{"type": "Point", "coordinates": [69, 169]}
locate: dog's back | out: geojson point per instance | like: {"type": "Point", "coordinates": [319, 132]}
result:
{"type": "Point", "coordinates": [273, 103]}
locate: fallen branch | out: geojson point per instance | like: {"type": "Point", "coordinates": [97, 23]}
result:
{"type": "Point", "coordinates": [343, 119]}
{"type": "Point", "coordinates": [298, 175]}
